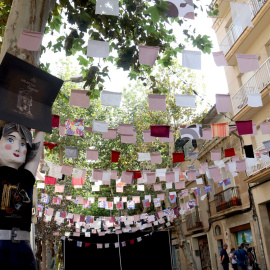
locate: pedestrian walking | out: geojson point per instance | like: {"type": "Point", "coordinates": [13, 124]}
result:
{"type": "Point", "coordinates": [232, 260]}
{"type": "Point", "coordinates": [224, 258]}
{"type": "Point", "coordinates": [240, 256]}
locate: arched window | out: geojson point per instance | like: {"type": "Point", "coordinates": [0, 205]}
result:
{"type": "Point", "coordinates": [218, 230]}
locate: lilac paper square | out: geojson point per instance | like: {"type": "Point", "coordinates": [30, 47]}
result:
{"type": "Point", "coordinates": [148, 55]}
{"type": "Point", "coordinates": [265, 129]}
{"type": "Point", "coordinates": [254, 129]}
{"type": "Point", "coordinates": [79, 98]}
{"type": "Point", "coordinates": [125, 129]}
{"type": "Point", "coordinates": [167, 140]}
{"type": "Point", "coordinates": [156, 158]}
{"type": "Point", "coordinates": [214, 172]}
{"type": "Point", "coordinates": [204, 167]}
{"type": "Point", "coordinates": [147, 136]}
{"type": "Point", "coordinates": [191, 174]}
{"type": "Point", "coordinates": [247, 62]}
{"type": "Point", "coordinates": [215, 155]}
{"type": "Point", "coordinates": [30, 40]}
{"type": "Point", "coordinates": [127, 177]}
{"type": "Point", "coordinates": [110, 135]}
{"type": "Point", "coordinates": [151, 178]}
{"type": "Point", "coordinates": [207, 134]}
{"type": "Point", "coordinates": [180, 185]}
{"type": "Point", "coordinates": [129, 139]}
{"type": "Point", "coordinates": [169, 177]}
{"type": "Point", "coordinates": [223, 103]}
{"type": "Point", "coordinates": [157, 187]}
{"type": "Point", "coordinates": [91, 154]}
{"type": "Point", "coordinates": [241, 165]}
{"type": "Point", "coordinates": [220, 59]}
{"type": "Point", "coordinates": [157, 102]}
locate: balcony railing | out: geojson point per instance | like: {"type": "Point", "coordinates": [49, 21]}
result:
{"type": "Point", "coordinates": [254, 85]}
{"type": "Point", "coordinates": [193, 221]}
{"type": "Point", "coordinates": [260, 164]}
{"type": "Point", "coordinates": [234, 32]}
{"type": "Point", "coordinates": [227, 198]}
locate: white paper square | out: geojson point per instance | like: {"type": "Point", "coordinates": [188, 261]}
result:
{"type": "Point", "coordinates": [99, 126]}
{"type": "Point", "coordinates": [140, 187]}
{"type": "Point", "coordinates": [147, 197]}
{"type": "Point", "coordinates": [161, 172]}
{"type": "Point", "coordinates": [41, 185]}
{"type": "Point", "coordinates": [99, 49]}
{"type": "Point", "coordinates": [187, 101]}
{"type": "Point", "coordinates": [107, 7]}
{"type": "Point", "coordinates": [255, 100]}
{"type": "Point", "coordinates": [169, 185]}
{"type": "Point", "coordinates": [191, 59]}
{"type": "Point", "coordinates": [241, 14]}
{"type": "Point", "coordinates": [95, 188]}
{"type": "Point", "coordinates": [91, 199]}
{"type": "Point", "coordinates": [108, 98]}
{"type": "Point", "coordinates": [144, 157]}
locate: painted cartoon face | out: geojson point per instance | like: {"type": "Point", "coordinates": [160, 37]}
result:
{"type": "Point", "coordinates": [13, 150]}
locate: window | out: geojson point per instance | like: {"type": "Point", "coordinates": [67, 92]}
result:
{"type": "Point", "coordinates": [218, 230]}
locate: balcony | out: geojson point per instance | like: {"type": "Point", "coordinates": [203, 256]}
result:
{"type": "Point", "coordinates": [227, 198]}
{"type": "Point", "coordinates": [234, 32]}
{"type": "Point", "coordinates": [193, 221]}
{"type": "Point", "coordinates": [254, 85]}
{"type": "Point", "coordinates": [260, 165]}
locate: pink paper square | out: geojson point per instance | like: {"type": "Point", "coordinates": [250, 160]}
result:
{"type": "Point", "coordinates": [214, 172]}
{"type": "Point", "coordinates": [157, 102]}
{"type": "Point", "coordinates": [207, 134]}
{"type": "Point", "coordinates": [124, 199]}
{"type": "Point", "coordinates": [50, 211]}
{"type": "Point", "coordinates": [155, 158]}
{"type": "Point", "coordinates": [136, 199]}
{"type": "Point", "coordinates": [127, 177]}
{"type": "Point", "coordinates": [76, 218]}
{"type": "Point", "coordinates": [161, 196]}
{"type": "Point", "coordinates": [97, 174]}
{"type": "Point", "coordinates": [67, 169]}
{"type": "Point", "coordinates": [204, 167]}
{"type": "Point", "coordinates": [59, 188]}
{"type": "Point", "coordinates": [148, 55]}
{"type": "Point", "coordinates": [220, 59]}
{"type": "Point", "coordinates": [254, 129]}
{"type": "Point", "coordinates": [79, 98]}
{"type": "Point", "coordinates": [110, 135]}
{"type": "Point", "coordinates": [247, 62]}
{"type": "Point", "coordinates": [241, 165]}
{"type": "Point", "coordinates": [114, 175]}
{"type": "Point", "coordinates": [169, 177]}
{"type": "Point", "coordinates": [216, 155]}
{"type": "Point", "coordinates": [151, 178]}
{"type": "Point", "coordinates": [180, 185]}
{"type": "Point", "coordinates": [147, 136]}
{"type": "Point", "coordinates": [157, 187]}
{"type": "Point", "coordinates": [125, 129]}
{"type": "Point", "coordinates": [91, 154]}
{"type": "Point", "coordinates": [265, 129]}
{"type": "Point", "coordinates": [223, 103]}
{"type": "Point", "coordinates": [30, 40]}
{"type": "Point", "coordinates": [62, 130]}
{"type": "Point", "coordinates": [119, 189]}
{"type": "Point", "coordinates": [102, 199]}
{"type": "Point", "coordinates": [217, 179]}
{"type": "Point", "coordinates": [80, 200]}
{"type": "Point", "coordinates": [235, 158]}
{"type": "Point", "coordinates": [191, 174]}
{"type": "Point", "coordinates": [128, 138]}
{"type": "Point", "coordinates": [167, 140]}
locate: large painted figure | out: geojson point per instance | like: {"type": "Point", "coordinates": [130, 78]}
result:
{"type": "Point", "coordinates": [19, 159]}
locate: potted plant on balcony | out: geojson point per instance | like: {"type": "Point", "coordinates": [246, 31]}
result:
{"type": "Point", "coordinates": [222, 205]}
{"type": "Point", "coordinates": [234, 201]}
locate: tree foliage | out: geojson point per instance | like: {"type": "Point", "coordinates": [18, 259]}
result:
{"type": "Point", "coordinates": [139, 22]}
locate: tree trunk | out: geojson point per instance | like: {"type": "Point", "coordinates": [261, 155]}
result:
{"type": "Point", "coordinates": [177, 224]}
{"type": "Point", "coordinates": [44, 253]}
{"type": "Point", "coordinates": [25, 14]}
{"type": "Point", "coordinates": [184, 245]}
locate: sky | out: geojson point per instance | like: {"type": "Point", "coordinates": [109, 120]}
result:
{"type": "Point", "coordinates": [213, 76]}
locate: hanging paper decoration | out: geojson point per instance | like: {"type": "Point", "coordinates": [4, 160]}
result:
{"type": "Point", "coordinates": [157, 102]}
{"type": "Point", "coordinates": [178, 157]}
{"type": "Point", "coordinates": [55, 120]}
{"type": "Point", "coordinates": [30, 40]}
{"type": "Point", "coordinates": [223, 103]}
{"type": "Point", "coordinates": [244, 127]}
{"type": "Point", "coordinates": [160, 131]}
{"type": "Point", "coordinates": [180, 8]}
{"type": "Point", "coordinates": [112, 99]}
{"type": "Point", "coordinates": [75, 128]}
{"type": "Point", "coordinates": [186, 101]}
{"type": "Point", "coordinates": [207, 189]}
{"type": "Point", "coordinates": [130, 205]}
{"type": "Point", "coordinates": [115, 156]}
{"type": "Point", "coordinates": [79, 98]}
{"type": "Point", "coordinates": [247, 62]}
{"type": "Point", "coordinates": [148, 55]}
{"type": "Point", "coordinates": [99, 49]}
{"type": "Point", "coordinates": [220, 59]}
{"type": "Point", "coordinates": [220, 130]}
{"type": "Point", "coordinates": [191, 59]}
{"type": "Point", "coordinates": [107, 7]}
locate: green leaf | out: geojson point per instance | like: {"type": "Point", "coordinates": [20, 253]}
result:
{"type": "Point", "coordinates": [153, 11]}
